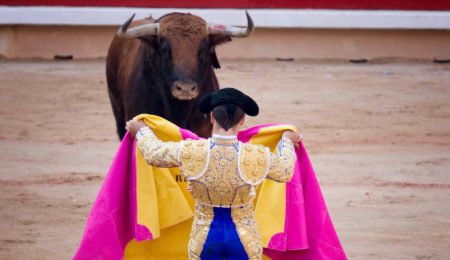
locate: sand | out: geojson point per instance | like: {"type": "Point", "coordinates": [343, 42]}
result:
{"type": "Point", "coordinates": [378, 136]}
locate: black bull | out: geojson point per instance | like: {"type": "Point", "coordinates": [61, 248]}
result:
{"type": "Point", "coordinates": [163, 67]}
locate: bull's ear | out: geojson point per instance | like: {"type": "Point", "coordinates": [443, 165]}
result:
{"type": "Point", "coordinates": [215, 60]}
{"type": "Point", "coordinates": [216, 39]}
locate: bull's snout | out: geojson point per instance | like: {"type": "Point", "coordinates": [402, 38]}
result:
{"type": "Point", "coordinates": [184, 90]}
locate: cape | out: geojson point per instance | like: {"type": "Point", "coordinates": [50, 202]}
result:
{"type": "Point", "coordinates": [145, 212]}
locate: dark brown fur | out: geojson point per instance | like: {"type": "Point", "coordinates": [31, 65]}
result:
{"type": "Point", "coordinates": [142, 73]}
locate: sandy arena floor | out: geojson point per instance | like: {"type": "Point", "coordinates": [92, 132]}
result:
{"type": "Point", "coordinates": [378, 135]}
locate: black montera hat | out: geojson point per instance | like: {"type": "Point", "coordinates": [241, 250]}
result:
{"type": "Point", "coordinates": [227, 96]}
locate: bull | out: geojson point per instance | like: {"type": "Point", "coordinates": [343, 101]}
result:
{"type": "Point", "coordinates": [164, 66]}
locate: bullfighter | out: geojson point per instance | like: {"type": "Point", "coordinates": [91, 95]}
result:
{"type": "Point", "coordinates": [222, 174]}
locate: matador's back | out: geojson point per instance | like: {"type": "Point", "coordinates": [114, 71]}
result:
{"type": "Point", "coordinates": [223, 172]}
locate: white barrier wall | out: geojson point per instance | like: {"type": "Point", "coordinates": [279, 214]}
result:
{"type": "Point", "coordinates": [43, 32]}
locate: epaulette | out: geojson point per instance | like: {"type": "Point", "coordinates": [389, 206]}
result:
{"type": "Point", "coordinates": [194, 157]}
{"type": "Point", "coordinates": [253, 163]}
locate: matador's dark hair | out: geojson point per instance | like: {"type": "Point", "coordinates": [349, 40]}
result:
{"type": "Point", "coordinates": [227, 116]}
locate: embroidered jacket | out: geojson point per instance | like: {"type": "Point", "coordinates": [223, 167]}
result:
{"type": "Point", "coordinates": [221, 172]}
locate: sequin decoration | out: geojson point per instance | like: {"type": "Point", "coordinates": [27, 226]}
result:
{"type": "Point", "coordinates": [220, 183]}
{"type": "Point", "coordinates": [158, 153]}
{"type": "Point", "coordinates": [194, 157]}
{"type": "Point", "coordinates": [282, 163]}
{"type": "Point", "coordinates": [253, 163]}
{"type": "Point", "coordinates": [247, 228]}
{"type": "Point", "coordinates": [203, 217]}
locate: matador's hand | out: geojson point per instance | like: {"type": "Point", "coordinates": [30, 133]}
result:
{"type": "Point", "coordinates": [133, 126]}
{"type": "Point", "coordinates": [293, 136]}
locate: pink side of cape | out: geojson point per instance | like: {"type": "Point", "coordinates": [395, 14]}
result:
{"type": "Point", "coordinates": [305, 202]}
{"type": "Point", "coordinates": [309, 232]}
{"type": "Point", "coordinates": [108, 229]}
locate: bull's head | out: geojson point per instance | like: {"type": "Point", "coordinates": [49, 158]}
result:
{"type": "Point", "coordinates": [185, 44]}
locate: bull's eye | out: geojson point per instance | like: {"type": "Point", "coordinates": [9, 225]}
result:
{"type": "Point", "coordinates": [203, 47]}
{"type": "Point", "coordinates": [165, 49]}
{"type": "Point", "coordinates": [203, 53]}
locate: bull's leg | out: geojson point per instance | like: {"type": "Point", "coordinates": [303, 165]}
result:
{"type": "Point", "coordinates": [120, 124]}
{"type": "Point", "coordinates": [119, 115]}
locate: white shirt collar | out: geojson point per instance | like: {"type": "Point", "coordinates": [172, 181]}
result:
{"type": "Point", "coordinates": [224, 136]}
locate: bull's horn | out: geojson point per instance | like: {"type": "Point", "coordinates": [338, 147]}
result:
{"type": "Point", "coordinates": [233, 31]}
{"type": "Point", "coordinates": [138, 31]}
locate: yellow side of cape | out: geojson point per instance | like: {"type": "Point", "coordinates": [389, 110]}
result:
{"type": "Point", "coordinates": [165, 207]}
{"type": "Point", "coordinates": [270, 206]}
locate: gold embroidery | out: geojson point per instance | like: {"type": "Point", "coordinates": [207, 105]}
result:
{"type": "Point", "coordinates": [283, 162]}
{"type": "Point", "coordinates": [247, 230]}
{"type": "Point", "coordinates": [253, 163]}
{"type": "Point", "coordinates": [193, 157]}
{"type": "Point", "coordinates": [219, 184]}
{"type": "Point", "coordinates": [158, 153]}
{"type": "Point", "coordinates": [203, 217]}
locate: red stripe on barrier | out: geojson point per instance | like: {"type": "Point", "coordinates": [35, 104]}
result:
{"type": "Point", "coordinates": [289, 4]}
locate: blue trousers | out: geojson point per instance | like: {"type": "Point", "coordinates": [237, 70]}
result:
{"type": "Point", "coordinates": [223, 240]}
